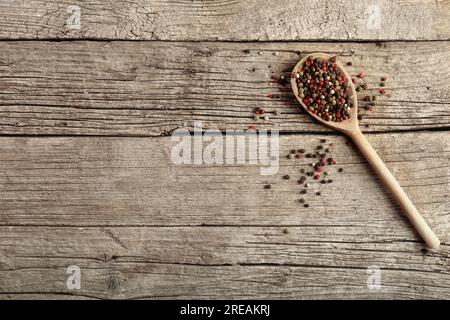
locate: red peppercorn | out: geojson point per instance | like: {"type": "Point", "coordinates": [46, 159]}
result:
{"type": "Point", "coordinates": [318, 170]}
{"type": "Point", "coordinates": [252, 127]}
{"type": "Point", "coordinates": [316, 177]}
{"type": "Point", "coordinates": [331, 145]}
{"type": "Point", "coordinates": [361, 75]}
{"type": "Point", "coordinates": [382, 91]}
{"type": "Point", "coordinates": [333, 59]}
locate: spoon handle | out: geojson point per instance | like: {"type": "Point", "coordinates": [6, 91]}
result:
{"type": "Point", "coordinates": [394, 187]}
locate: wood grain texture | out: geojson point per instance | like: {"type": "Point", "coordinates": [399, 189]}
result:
{"type": "Point", "coordinates": [218, 262]}
{"type": "Point", "coordinates": [133, 182]}
{"type": "Point", "coordinates": [249, 20]}
{"type": "Point", "coordinates": [152, 88]}
{"type": "Point", "coordinates": [139, 226]}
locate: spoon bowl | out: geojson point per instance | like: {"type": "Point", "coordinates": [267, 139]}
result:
{"type": "Point", "coordinates": [346, 126]}
{"type": "Point", "coordinates": [350, 127]}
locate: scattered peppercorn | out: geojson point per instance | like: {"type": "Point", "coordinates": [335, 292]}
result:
{"type": "Point", "coordinates": [349, 63]}
{"type": "Point", "coordinates": [306, 205]}
{"type": "Point", "coordinates": [267, 186]}
{"type": "Point", "coordinates": [318, 193]}
{"type": "Point", "coordinates": [287, 177]}
{"type": "Point", "coordinates": [330, 180]}
{"type": "Point", "coordinates": [382, 91]}
{"type": "Point", "coordinates": [303, 191]}
{"type": "Point", "coordinates": [383, 79]}
{"type": "Point", "coordinates": [301, 200]}
{"type": "Point", "coordinates": [323, 140]}
{"type": "Point", "coordinates": [259, 111]}
{"type": "Point", "coordinates": [382, 84]}
{"type": "Point", "coordinates": [361, 75]}
{"type": "Point", "coordinates": [341, 169]}
{"type": "Point", "coordinates": [360, 117]}
{"type": "Point", "coordinates": [285, 231]}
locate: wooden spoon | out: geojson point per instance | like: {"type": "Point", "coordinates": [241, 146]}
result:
{"type": "Point", "coordinates": [350, 127]}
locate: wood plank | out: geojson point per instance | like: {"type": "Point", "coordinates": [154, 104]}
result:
{"type": "Point", "coordinates": [219, 262]}
{"type": "Point", "coordinates": [140, 226]}
{"type": "Point", "coordinates": [152, 88]}
{"type": "Point", "coordinates": [249, 20]}
{"type": "Point", "coordinates": [95, 181]}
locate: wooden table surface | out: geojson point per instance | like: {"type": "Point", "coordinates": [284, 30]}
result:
{"type": "Point", "coordinates": [86, 176]}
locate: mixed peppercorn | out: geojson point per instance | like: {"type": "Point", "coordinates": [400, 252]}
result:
{"type": "Point", "coordinates": [324, 89]}
{"type": "Point", "coordinates": [316, 172]}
